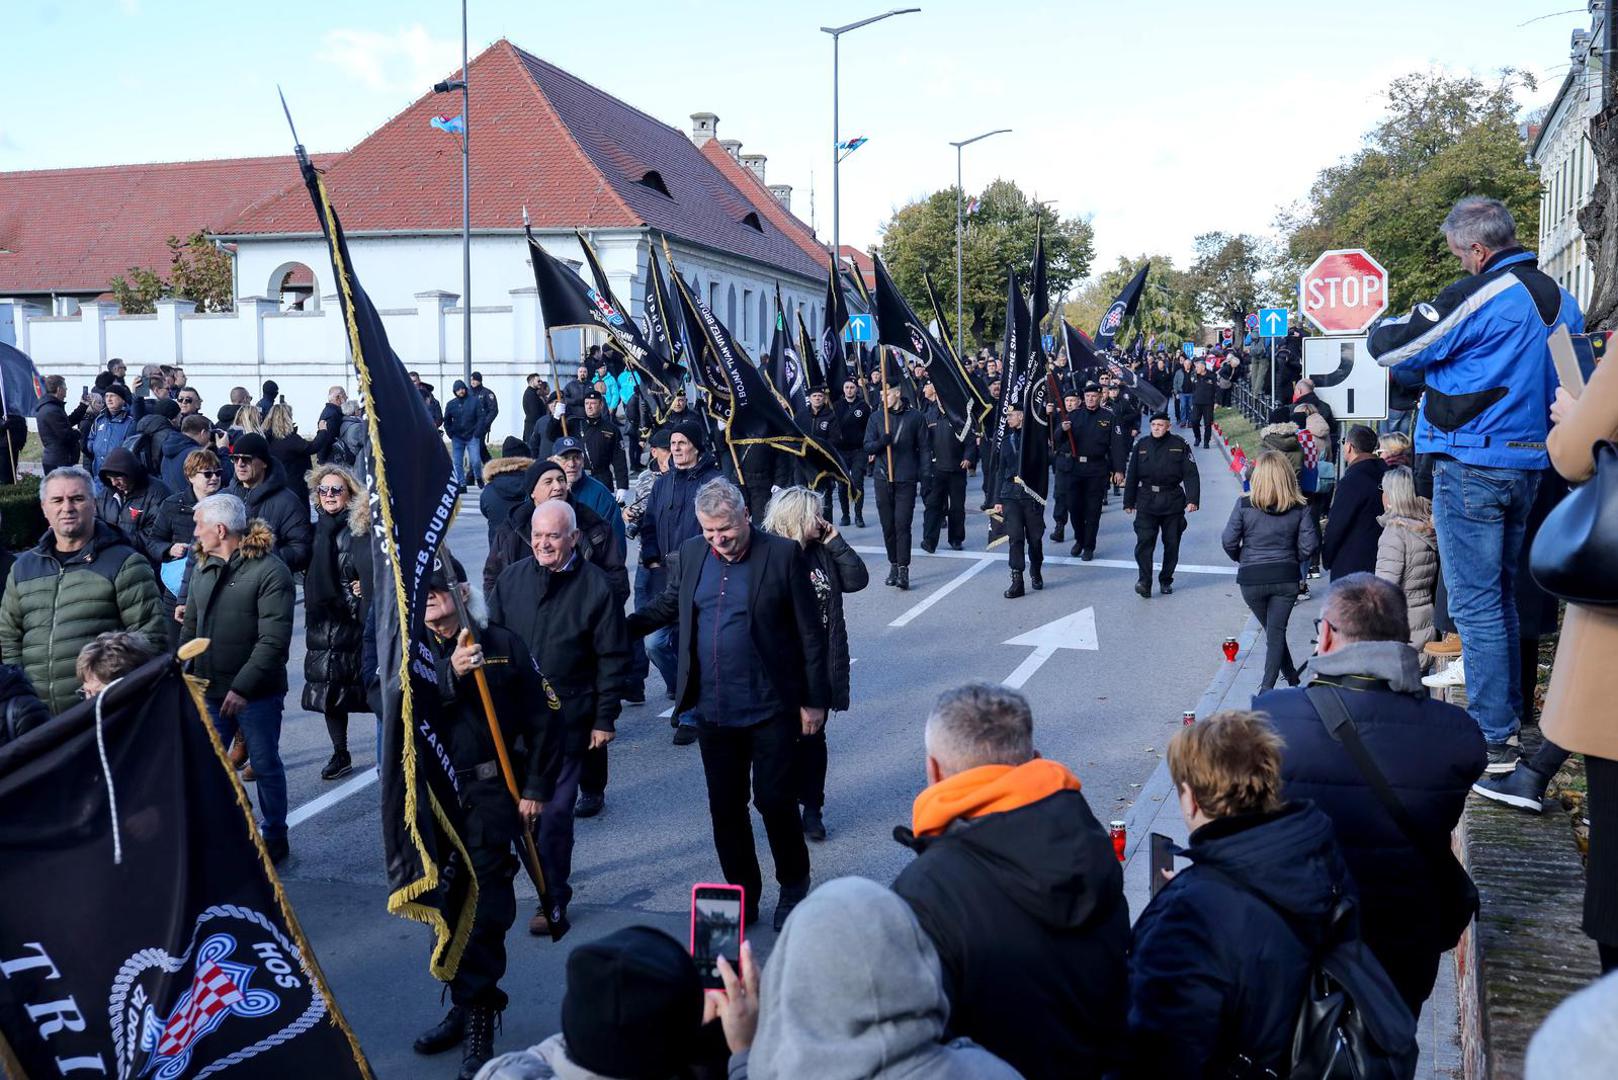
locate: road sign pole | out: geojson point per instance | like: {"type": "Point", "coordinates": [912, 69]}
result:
{"type": "Point", "coordinates": [1272, 373]}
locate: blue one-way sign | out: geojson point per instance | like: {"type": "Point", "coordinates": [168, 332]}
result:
{"type": "Point", "coordinates": [1272, 321]}
{"type": "Point", "coordinates": [860, 328]}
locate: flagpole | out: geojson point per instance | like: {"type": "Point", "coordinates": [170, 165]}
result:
{"type": "Point", "coordinates": [466, 211]}
{"type": "Point", "coordinates": [556, 376]}
{"type": "Point", "coordinates": [960, 228]}
{"type": "Point", "coordinates": [882, 366]}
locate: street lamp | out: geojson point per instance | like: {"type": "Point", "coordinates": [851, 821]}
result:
{"type": "Point", "coordinates": [836, 33]}
{"type": "Point", "coordinates": [449, 86]}
{"type": "Point", "coordinates": [959, 190]}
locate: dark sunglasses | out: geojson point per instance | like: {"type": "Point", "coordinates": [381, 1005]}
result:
{"type": "Point", "coordinates": [214, 473]}
{"type": "Point", "coordinates": [331, 489]}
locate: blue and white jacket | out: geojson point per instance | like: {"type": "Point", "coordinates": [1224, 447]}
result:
{"type": "Point", "coordinates": [1481, 349]}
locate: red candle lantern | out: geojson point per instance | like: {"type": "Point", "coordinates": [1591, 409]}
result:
{"type": "Point", "coordinates": [1119, 838]}
{"type": "Point", "coordinates": [1230, 649]}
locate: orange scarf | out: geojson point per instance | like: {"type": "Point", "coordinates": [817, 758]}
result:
{"type": "Point", "coordinates": [988, 789]}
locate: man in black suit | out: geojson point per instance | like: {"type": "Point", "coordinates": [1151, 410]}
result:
{"type": "Point", "coordinates": [1352, 529]}
{"type": "Point", "coordinates": [753, 666]}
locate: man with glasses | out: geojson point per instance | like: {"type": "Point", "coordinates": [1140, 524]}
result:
{"type": "Point", "coordinates": [190, 401]}
{"type": "Point", "coordinates": [261, 485]}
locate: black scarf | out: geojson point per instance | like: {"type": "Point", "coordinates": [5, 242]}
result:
{"type": "Point", "coordinates": [322, 584]}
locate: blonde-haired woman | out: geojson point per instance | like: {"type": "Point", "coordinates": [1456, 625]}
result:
{"type": "Point", "coordinates": [291, 450]}
{"type": "Point", "coordinates": [1272, 536]}
{"type": "Point", "coordinates": [1407, 553]}
{"type": "Point", "coordinates": [834, 569]}
{"type": "Point", "coordinates": [334, 612]}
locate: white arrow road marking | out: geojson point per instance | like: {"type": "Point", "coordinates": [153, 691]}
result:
{"type": "Point", "coordinates": [942, 591]}
{"type": "Point", "coordinates": [331, 798]}
{"type": "Point", "coordinates": [1075, 631]}
{"type": "Point", "coordinates": [1057, 560]}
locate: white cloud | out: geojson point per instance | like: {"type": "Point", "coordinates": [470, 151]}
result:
{"type": "Point", "coordinates": [405, 61]}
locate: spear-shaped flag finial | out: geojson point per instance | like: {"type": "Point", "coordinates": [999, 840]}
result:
{"type": "Point", "coordinates": [297, 144]}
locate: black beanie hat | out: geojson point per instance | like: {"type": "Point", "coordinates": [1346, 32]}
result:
{"type": "Point", "coordinates": [633, 1007]}
{"type": "Point", "coordinates": [252, 445]}
{"type": "Point", "coordinates": [539, 468]}
{"type": "Point", "coordinates": [511, 446]}
{"type": "Point", "coordinates": [1280, 415]}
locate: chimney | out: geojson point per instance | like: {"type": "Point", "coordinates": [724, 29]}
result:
{"type": "Point", "coordinates": [754, 164]}
{"type": "Point", "coordinates": [733, 147]}
{"type": "Point", "coordinates": [704, 126]}
{"type": "Point", "coordinates": [783, 195]}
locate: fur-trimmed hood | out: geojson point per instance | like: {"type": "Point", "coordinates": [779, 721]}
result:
{"type": "Point", "coordinates": [258, 541]}
{"type": "Point", "coordinates": [502, 466]}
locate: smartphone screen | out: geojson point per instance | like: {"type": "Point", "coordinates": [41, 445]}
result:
{"type": "Point", "coordinates": [716, 930]}
{"type": "Point", "coordinates": [1162, 859]}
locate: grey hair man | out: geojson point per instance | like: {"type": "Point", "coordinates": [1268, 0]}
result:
{"type": "Point", "coordinates": [82, 579]}
{"type": "Point", "coordinates": [753, 665]}
{"type": "Point", "coordinates": [1480, 350]}
{"type": "Point", "coordinates": [241, 601]}
{"type": "Point", "coordinates": [1005, 839]}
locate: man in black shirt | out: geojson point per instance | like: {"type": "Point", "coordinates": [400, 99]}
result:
{"type": "Point", "coordinates": [1163, 480]}
{"type": "Point", "coordinates": [1024, 520]}
{"type": "Point", "coordinates": [852, 414]}
{"type": "Point", "coordinates": [1089, 451]}
{"type": "Point", "coordinates": [949, 460]}
{"type": "Point", "coordinates": [893, 442]}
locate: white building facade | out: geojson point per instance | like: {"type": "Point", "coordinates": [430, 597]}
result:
{"type": "Point", "coordinates": [1566, 162]}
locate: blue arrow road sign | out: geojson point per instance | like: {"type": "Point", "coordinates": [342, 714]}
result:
{"type": "Point", "coordinates": [1273, 321]}
{"type": "Point", "coordinates": [860, 328]}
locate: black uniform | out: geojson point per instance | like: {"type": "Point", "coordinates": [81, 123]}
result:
{"type": "Point", "coordinates": [823, 426]}
{"type": "Point", "coordinates": [1083, 466]}
{"type": "Point", "coordinates": [533, 734]}
{"type": "Point", "coordinates": [763, 469]}
{"type": "Point", "coordinates": [603, 446]}
{"type": "Point", "coordinates": [945, 494]}
{"type": "Point", "coordinates": [1162, 480]}
{"type": "Point", "coordinates": [905, 435]}
{"type": "Point", "coordinates": [1024, 517]}
{"type": "Point", "coordinates": [1204, 389]}
{"type": "Point", "coordinates": [850, 443]}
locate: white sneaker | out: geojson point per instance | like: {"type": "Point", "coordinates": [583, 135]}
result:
{"type": "Point", "coordinates": [1452, 675]}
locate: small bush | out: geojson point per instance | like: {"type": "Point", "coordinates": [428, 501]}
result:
{"type": "Point", "coordinates": [22, 522]}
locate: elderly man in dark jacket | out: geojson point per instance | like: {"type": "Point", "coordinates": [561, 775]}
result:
{"type": "Point", "coordinates": [566, 612]}
{"type": "Point", "coordinates": [753, 665]}
{"type": "Point", "coordinates": [58, 428]}
{"type": "Point", "coordinates": [1017, 884]}
{"type": "Point", "coordinates": [261, 486]}
{"type": "Point", "coordinates": [1429, 751]}
{"type": "Point", "coordinates": [1352, 528]}
{"type": "Point", "coordinates": [241, 601]}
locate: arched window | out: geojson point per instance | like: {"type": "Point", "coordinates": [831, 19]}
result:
{"type": "Point", "coordinates": [294, 285]}
{"type": "Point", "coordinates": [730, 309]}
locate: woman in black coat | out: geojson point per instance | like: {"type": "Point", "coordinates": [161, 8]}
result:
{"type": "Point", "coordinates": [292, 450]}
{"type": "Point", "coordinates": [334, 616]}
{"type": "Point", "coordinates": [170, 540]}
{"type": "Point", "coordinates": [1271, 534]}
{"type": "Point", "coordinates": [834, 569]}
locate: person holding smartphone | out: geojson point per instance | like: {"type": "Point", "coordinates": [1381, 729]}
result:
{"type": "Point", "coordinates": [834, 569]}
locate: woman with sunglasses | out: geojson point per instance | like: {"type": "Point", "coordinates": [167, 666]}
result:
{"type": "Point", "coordinates": [170, 539]}
{"type": "Point", "coordinates": [334, 613]}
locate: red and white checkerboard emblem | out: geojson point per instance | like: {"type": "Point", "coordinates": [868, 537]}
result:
{"type": "Point", "coordinates": [212, 992]}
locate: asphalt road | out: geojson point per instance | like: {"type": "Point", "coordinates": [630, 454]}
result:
{"type": "Point", "coordinates": [1106, 711]}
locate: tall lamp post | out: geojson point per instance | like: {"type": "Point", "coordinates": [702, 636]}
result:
{"type": "Point", "coordinates": [836, 33]}
{"type": "Point", "coordinates": [960, 341]}
{"type": "Point", "coordinates": [449, 86]}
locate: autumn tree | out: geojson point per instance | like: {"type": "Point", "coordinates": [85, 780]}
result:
{"type": "Point", "coordinates": [1228, 276]}
{"type": "Point", "coordinates": [198, 271]}
{"type": "Point", "coordinates": [1168, 305]}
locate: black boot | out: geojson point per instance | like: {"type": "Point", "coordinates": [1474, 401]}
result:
{"type": "Point", "coordinates": [1057, 535]}
{"type": "Point", "coordinates": [479, 1046]}
{"type": "Point", "coordinates": [1144, 588]}
{"type": "Point", "coordinates": [903, 581]}
{"type": "Point", "coordinates": [1015, 590]}
{"type": "Point", "coordinates": [791, 897]}
{"type": "Point", "coordinates": [893, 574]}
{"type": "Point", "coordinates": [1077, 549]}
{"type": "Point", "coordinates": [859, 521]}
{"type": "Point", "coordinates": [338, 767]}
{"type": "Point", "coordinates": [1035, 578]}
{"type": "Point", "coordinates": [446, 1033]}
{"type": "Point", "coordinates": [1522, 787]}
{"type": "Point", "coordinates": [1166, 585]}
{"type": "Point", "coordinates": [844, 521]}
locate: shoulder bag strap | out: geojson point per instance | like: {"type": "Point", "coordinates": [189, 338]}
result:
{"type": "Point", "coordinates": [1328, 702]}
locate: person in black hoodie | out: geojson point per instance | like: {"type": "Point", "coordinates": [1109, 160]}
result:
{"type": "Point", "coordinates": [1017, 885]}
{"type": "Point", "coordinates": [261, 485]}
{"type": "Point", "coordinates": [503, 483]}
{"type": "Point", "coordinates": [129, 498]}
{"type": "Point", "coordinates": [849, 441]}
{"type": "Point", "coordinates": [21, 709]}
{"type": "Point", "coordinates": [949, 460]}
{"type": "Point", "coordinates": [58, 428]}
{"type": "Point", "coordinates": [894, 441]}
{"type": "Point", "coordinates": [1352, 529]}
{"type": "Point", "coordinates": [1223, 954]}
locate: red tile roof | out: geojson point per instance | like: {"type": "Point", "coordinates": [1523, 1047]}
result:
{"type": "Point", "coordinates": [861, 261]}
{"type": "Point", "coordinates": [575, 155]}
{"type": "Point", "coordinates": [747, 182]}
{"type": "Point", "coordinates": [74, 230]}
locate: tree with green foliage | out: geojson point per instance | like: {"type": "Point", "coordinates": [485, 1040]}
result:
{"type": "Point", "coordinates": [198, 271]}
{"type": "Point", "coordinates": [1443, 137]}
{"type": "Point", "coordinates": [999, 236]}
{"type": "Point", "coordinates": [1228, 276]}
{"type": "Point", "coordinates": [1168, 306]}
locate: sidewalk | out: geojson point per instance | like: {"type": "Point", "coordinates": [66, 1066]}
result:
{"type": "Point", "coordinates": [1156, 810]}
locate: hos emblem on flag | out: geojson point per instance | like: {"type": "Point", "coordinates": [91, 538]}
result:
{"type": "Point", "coordinates": [239, 989]}
{"type": "Point", "coordinates": [918, 341]}
{"type": "Point", "coordinates": [1113, 319]}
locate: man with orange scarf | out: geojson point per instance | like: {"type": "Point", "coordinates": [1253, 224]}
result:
{"type": "Point", "coordinates": [1017, 884]}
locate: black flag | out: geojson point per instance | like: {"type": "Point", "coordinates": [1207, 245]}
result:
{"type": "Point", "coordinates": [20, 384]}
{"type": "Point", "coordinates": [813, 372]}
{"type": "Point", "coordinates": [657, 366]}
{"type": "Point", "coordinates": [1014, 361]}
{"type": "Point", "coordinates": [1083, 358]}
{"type": "Point", "coordinates": [786, 368]}
{"type": "Point", "coordinates": [980, 405]}
{"type": "Point", "coordinates": [833, 358]}
{"type": "Point", "coordinates": [1121, 309]}
{"type": "Point", "coordinates": [755, 413]}
{"type": "Point", "coordinates": [1034, 470]}
{"type": "Point", "coordinates": [898, 327]}
{"type": "Point", "coordinates": [664, 330]}
{"type": "Point", "coordinates": [413, 496]}
{"type": "Point", "coordinates": [143, 931]}
{"type": "Point", "coordinates": [1039, 301]}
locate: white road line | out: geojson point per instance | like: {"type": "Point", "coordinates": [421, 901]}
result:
{"type": "Point", "coordinates": [942, 591]}
{"type": "Point", "coordinates": [1058, 560]}
{"type": "Point", "coordinates": [1031, 664]}
{"type": "Point", "coordinates": [668, 712]}
{"type": "Point", "coordinates": [331, 798]}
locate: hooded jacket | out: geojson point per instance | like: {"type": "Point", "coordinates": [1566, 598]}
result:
{"type": "Point", "coordinates": [333, 678]}
{"type": "Point", "coordinates": [1215, 971]}
{"type": "Point", "coordinates": [55, 604]}
{"type": "Point", "coordinates": [107, 433]}
{"type": "Point", "coordinates": [244, 607]}
{"type": "Point", "coordinates": [463, 414]}
{"type": "Point", "coordinates": [135, 514]}
{"type": "Point", "coordinates": [1283, 439]}
{"type": "Point", "coordinates": [1352, 531]}
{"type": "Point", "coordinates": [835, 569]}
{"type": "Point", "coordinates": [1407, 555]}
{"type": "Point", "coordinates": [1018, 850]}
{"type": "Point", "coordinates": [21, 710]}
{"type": "Point", "coordinates": [272, 502]}
{"type": "Point", "coordinates": [502, 489]}
{"type": "Point", "coordinates": [853, 991]}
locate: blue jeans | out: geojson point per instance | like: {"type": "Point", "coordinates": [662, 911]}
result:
{"type": "Point", "coordinates": [1182, 406]}
{"type": "Point", "coordinates": [260, 724]}
{"type": "Point", "coordinates": [1481, 515]}
{"type": "Point", "coordinates": [463, 450]}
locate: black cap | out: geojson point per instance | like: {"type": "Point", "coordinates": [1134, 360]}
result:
{"type": "Point", "coordinates": [478, 375]}
{"type": "Point", "coordinates": [1280, 415]}
{"type": "Point", "coordinates": [593, 395]}
{"type": "Point", "coordinates": [818, 388]}
{"type": "Point", "coordinates": [637, 980]}
{"type": "Point", "coordinates": [1160, 415]}
{"type": "Point", "coordinates": [120, 389]}
{"type": "Point", "coordinates": [1092, 387]}
{"type": "Point", "coordinates": [539, 468]}
{"type": "Point", "coordinates": [251, 445]}
{"type": "Point", "coordinates": [660, 439]}
{"type": "Point", "coordinates": [437, 579]}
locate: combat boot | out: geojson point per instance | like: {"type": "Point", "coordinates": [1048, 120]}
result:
{"type": "Point", "coordinates": [903, 580]}
{"type": "Point", "coordinates": [893, 574]}
{"type": "Point", "coordinates": [446, 1033]}
{"type": "Point", "coordinates": [1016, 589]}
{"type": "Point", "coordinates": [1035, 578]}
{"type": "Point", "coordinates": [479, 1046]}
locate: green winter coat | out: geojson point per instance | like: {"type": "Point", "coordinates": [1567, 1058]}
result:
{"type": "Point", "coordinates": [56, 604]}
{"type": "Point", "coordinates": [244, 608]}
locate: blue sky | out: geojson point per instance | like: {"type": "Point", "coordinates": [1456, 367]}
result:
{"type": "Point", "coordinates": [1134, 114]}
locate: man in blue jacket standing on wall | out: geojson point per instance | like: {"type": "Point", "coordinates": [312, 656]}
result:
{"type": "Point", "coordinates": [1481, 349]}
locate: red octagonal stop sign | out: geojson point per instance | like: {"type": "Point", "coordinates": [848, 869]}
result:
{"type": "Point", "coordinates": [1343, 291]}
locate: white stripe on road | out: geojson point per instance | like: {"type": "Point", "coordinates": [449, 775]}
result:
{"type": "Point", "coordinates": [948, 587]}
{"type": "Point", "coordinates": [331, 798]}
{"type": "Point", "coordinates": [1059, 560]}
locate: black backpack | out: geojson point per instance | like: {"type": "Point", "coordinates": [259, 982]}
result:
{"type": "Point", "coordinates": [146, 451]}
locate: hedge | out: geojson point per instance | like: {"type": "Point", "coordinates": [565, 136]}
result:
{"type": "Point", "coordinates": [22, 521]}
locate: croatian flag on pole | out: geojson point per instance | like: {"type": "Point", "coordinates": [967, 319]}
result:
{"type": "Point", "coordinates": [455, 125]}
